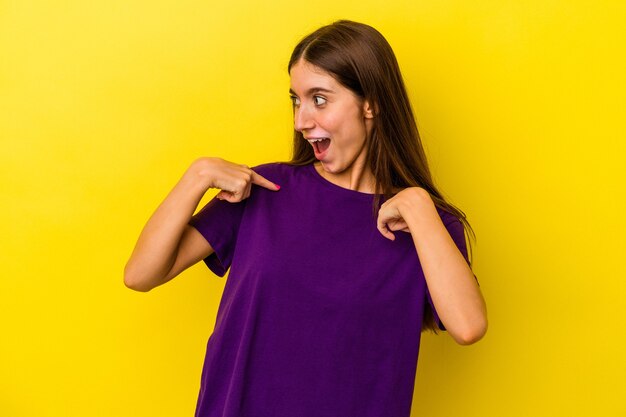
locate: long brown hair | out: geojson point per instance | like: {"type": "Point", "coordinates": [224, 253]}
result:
{"type": "Point", "coordinates": [362, 60]}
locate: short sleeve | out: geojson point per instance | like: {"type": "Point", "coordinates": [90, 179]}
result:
{"type": "Point", "coordinates": [218, 222]}
{"type": "Point", "coordinates": [456, 230]}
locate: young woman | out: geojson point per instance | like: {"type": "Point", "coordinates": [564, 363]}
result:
{"type": "Point", "coordinates": [324, 305]}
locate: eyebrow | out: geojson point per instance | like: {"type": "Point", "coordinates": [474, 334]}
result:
{"type": "Point", "coordinates": [313, 91]}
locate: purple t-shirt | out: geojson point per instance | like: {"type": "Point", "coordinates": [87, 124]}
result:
{"type": "Point", "coordinates": [321, 315]}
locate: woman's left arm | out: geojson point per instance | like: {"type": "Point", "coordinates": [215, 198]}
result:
{"type": "Point", "coordinates": [451, 283]}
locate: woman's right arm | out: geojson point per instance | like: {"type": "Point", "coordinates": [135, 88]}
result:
{"type": "Point", "coordinates": [167, 245]}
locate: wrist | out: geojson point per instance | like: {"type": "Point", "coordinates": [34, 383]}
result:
{"type": "Point", "coordinates": [417, 205]}
{"type": "Point", "coordinates": [203, 173]}
{"type": "Point", "coordinates": [199, 176]}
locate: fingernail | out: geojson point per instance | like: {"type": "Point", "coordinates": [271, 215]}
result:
{"type": "Point", "coordinates": [277, 186]}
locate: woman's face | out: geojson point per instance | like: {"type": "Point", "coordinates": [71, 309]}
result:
{"type": "Point", "coordinates": [323, 108]}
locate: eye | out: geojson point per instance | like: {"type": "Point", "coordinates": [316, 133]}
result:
{"type": "Point", "coordinates": [319, 100]}
{"type": "Point", "coordinates": [295, 100]}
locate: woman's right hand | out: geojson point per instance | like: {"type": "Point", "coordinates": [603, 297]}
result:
{"type": "Point", "coordinates": [234, 180]}
{"type": "Point", "coordinates": [168, 245]}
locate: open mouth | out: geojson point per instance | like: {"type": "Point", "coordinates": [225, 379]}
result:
{"type": "Point", "coordinates": [320, 144]}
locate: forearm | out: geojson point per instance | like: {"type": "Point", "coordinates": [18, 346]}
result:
{"type": "Point", "coordinates": [451, 283]}
{"type": "Point", "coordinates": [157, 246]}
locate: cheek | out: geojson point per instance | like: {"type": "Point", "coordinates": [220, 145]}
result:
{"type": "Point", "coordinates": [332, 122]}
{"type": "Point", "coordinates": [347, 123]}
{"type": "Point", "coordinates": [354, 128]}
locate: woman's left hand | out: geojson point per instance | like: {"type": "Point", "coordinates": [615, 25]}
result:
{"type": "Point", "coordinates": [390, 217]}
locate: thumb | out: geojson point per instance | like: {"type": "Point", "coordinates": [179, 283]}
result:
{"type": "Point", "coordinates": [381, 225]}
{"type": "Point", "coordinates": [225, 195]}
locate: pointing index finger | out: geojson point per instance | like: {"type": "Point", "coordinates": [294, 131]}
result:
{"type": "Point", "coordinates": [258, 179]}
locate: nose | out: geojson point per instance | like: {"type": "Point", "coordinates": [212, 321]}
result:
{"type": "Point", "coordinates": [302, 118]}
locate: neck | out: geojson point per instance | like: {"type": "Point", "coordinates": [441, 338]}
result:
{"type": "Point", "coordinates": [358, 177]}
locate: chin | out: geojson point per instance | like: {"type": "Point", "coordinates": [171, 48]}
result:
{"type": "Point", "coordinates": [328, 167]}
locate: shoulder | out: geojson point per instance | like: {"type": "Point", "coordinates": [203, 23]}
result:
{"type": "Point", "coordinates": [269, 167]}
{"type": "Point", "coordinates": [276, 171]}
{"type": "Point", "coordinates": [447, 218]}
{"type": "Point", "coordinates": [456, 229]}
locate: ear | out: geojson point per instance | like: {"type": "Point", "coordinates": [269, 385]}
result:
{"type": "Point", "coordinates": [368, 111]}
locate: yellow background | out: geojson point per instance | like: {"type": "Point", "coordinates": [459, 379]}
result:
{"type": "Point", "coordinates": [103, 105]}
